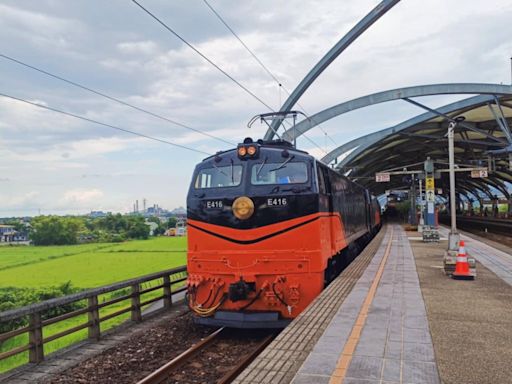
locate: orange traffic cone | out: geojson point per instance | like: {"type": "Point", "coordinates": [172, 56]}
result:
{"type": "Point", "coordinates": [462, 266]}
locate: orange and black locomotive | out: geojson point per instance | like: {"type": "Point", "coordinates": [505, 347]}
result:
{"type": "Point", "coordinates": [269, 226]}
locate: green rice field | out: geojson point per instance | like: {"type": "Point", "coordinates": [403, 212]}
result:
{"type": "Point", "coordinates": [85, 266]}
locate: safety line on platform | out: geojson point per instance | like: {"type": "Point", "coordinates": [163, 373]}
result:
{"type": "Point", "coordinates": [350, 346]}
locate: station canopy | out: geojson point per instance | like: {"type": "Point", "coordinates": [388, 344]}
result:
{"type": "Point", "coordinates": [482, 140]}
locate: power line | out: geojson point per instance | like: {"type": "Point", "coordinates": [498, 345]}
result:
{"type": "Point", "coordinates": [81, 86]}
{"type": "Point", "coordinates": [211, 62]}
{"type": "Point", "coordinates": [103, 124]}
{"type": "Point", "coordinates": [279, 83]}
{"type": "Point", "coordinates": [202, 55]}
{"type": "Point", "coordinates": [241, 42]}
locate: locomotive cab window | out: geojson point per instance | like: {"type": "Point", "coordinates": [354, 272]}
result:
{"type": "Point", "coordinates": [279, 173]}
{"type": "Point", "coordinates": [219, 177]}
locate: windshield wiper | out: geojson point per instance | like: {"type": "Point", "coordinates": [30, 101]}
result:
{"type": "Point", "coordinates": [220, 170]}
{"type": "Point", "coordinates": [297, 189]}
{"type": "Point", "coordinates": [232, 173]}
{"type": "Point", "coordinates": [283, 164]}
{"type": "Point", "coordinates": [261, 166]}
{"type": "Point", "coordinates": [275, 189]}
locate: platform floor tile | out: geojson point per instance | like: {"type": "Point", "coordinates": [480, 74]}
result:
{"type": "Point", "coordinates": [395, 345]}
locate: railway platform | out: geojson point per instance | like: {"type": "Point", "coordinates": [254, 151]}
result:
{"type": "Point", "coordinates": [393, 317]}
{"type": "Point", "coordinates": [497, 260]}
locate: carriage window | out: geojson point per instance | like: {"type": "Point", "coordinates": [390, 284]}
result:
{"type": "Point", "coordinates": [321, 181]}
{"type": "Point", "coordinates": [279, 173]}
{"type": "Point", "coordinates": [219, 177]}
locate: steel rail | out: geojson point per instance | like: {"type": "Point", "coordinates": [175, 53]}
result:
{"type": "Point", "coordinates": [493, 225]}
{"type": "Point", "coordinates": [232, 374]}
{"type": "Point", "coordinates": [162, 373]}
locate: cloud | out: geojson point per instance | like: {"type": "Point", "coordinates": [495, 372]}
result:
{"type": "Point", "coordinates": [38, 28]}
{"type": "Point", "coordinates": [116, 49]}
{"type": "Point", "coordinates": [18, 201]}
{"type": "Point", "coordinates": [83, 196]}
{"type": "Point", "coordinates": [147, 47]}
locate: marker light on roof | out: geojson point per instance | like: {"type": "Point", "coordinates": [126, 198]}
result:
{"type": "Point", "coordinates": [242, 151]}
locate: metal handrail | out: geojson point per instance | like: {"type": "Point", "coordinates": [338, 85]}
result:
{"type": "Point", "coordinates": [34, 312]}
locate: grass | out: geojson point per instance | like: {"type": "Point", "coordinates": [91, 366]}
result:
{"type": "Point", "coordinates": [86, 266]}
{"type": "Point", "coordinates": [89, 265]}
{"type": "Point", "coordinates": [12, 256]}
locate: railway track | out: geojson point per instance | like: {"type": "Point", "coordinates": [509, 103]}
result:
{"type": "Point", "coordinates": [483, 224]}
{"type": "Point", "coordinates": [166, 372]}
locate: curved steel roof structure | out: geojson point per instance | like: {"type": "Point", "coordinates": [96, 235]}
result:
{"type": "Point", "coordinates": [485, 129]}
{"type": "Point", "coordinates": [484, 132]}
{"type": "Point", "coordinates": [390, 95]}
{"type": "Point", "coordinates": [365, 23]}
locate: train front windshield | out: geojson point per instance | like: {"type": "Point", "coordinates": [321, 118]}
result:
{"type": "Point", "coordinates": [279, 173]}
{"type": "Point", "coordinates": [219, 177]}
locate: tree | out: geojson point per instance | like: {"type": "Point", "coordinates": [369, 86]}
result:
{"type": "Point", "coordinates": [137, 228]}
{"type": "Point", "coordinates": [403, 209]}
{"type": "Point", "coordinates": [171, 223]}
{"type": "Point", "coordinates": [54, 230]}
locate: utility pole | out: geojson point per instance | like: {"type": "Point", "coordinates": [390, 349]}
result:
{"type": "Point", "coordinates": [454, 236]}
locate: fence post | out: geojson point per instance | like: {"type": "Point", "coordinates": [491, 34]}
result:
{"type": "Point", "coordinates": [35, 338]}
{"type": "Point", "coordinates": [167, 292]}
{"type": "Point", "coordinates": [136, 313]}
{"type": "Point", "coordinates": [94, 318]}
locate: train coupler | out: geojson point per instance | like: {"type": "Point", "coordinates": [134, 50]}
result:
{"type": "Point", "coordinates": [240, 290]}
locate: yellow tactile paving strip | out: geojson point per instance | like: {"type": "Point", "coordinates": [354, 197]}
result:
{"type": "Point", "coordinates": [346, 356]}
{"type": "Point", "coordinates": [280, 361]}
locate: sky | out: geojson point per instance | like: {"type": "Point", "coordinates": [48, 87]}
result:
{"type": "Point", "coordinates": [54, 164]}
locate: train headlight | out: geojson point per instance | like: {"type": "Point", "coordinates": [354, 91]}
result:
{"type": "Point", "coordinates": [243, 208]}
{"type": "Point", "coordinates": [251, 151]}
{"type": "Point", "coordinates": [242, 151]}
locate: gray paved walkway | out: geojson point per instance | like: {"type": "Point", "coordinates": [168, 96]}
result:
{"type": "Point", "coordinates": [395, 345]}
{"type": "Point", "coordinates": [497, 261]}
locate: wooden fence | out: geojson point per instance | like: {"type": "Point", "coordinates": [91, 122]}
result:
{"type": "Point", "coordinates": [169, 281]}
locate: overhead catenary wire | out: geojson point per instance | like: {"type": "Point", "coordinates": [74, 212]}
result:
{"type": "Point", "coordinates": [201, 54]}
{"type": "Point", "coordinates": [241, 42]}
{"type": "Point", "coordinates": [112, 98]}
{"type": "Point", "coordinates": [279, 83]}
{"type": "Point", "coordinates": [211, 62]}
{"type": "Point", "coordinates": [70, 114]}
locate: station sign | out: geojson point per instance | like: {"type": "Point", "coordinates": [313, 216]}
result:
{"type": "Point", "coordinates": [430, 195]}
{"type": "Point", "coordinates": [429, 183]}
{"type": "Point", "coordinates": [382, 177]}
{"type": "Point", "coordinates": [479, 173]}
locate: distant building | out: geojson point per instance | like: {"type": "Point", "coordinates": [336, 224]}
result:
{"type": "Point", "coordinates": [179, 212]}
{"type": "Point", "coordinates": [9, 235]}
